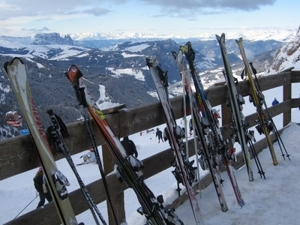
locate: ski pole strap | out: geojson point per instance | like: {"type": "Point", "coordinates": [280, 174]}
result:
{"type": "Point", "coordinates": [58, 123]}
{"type": "Point", "coordinates": [80, 96]}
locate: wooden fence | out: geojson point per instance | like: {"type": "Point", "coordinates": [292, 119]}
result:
{"type": "Point", "coordinates": [18, 154]}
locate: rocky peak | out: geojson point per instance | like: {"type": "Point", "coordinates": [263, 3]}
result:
{"type": "Point", "coordinates": [52, 39]}
{"type": "Point", "coordinates": [288, 55]}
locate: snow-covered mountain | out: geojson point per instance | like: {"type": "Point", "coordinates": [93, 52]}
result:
{"type": "Point", "coordinates": [249, 34]}
{"type": "Point", "coordinates": [288, 55]}
{"type": "Point", "coordinates": [117, 63]}
{"type": "Point", "coordinates": [53, 47]}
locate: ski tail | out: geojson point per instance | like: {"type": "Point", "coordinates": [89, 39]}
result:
{"type": "Point", "coordinates": [235, 185]}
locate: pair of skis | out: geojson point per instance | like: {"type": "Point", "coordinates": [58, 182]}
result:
{"type": "Point", "coordinates": [17, 75]}
{"type": "Point", "coordinates": [200, 129]}
{"type": "Point", "coordinates": [265, 122]}
{"type": "Point", "coordinates": [184, 171]}
{"type": "Point", "coordinates": [127, 168]}
{"type": "Point", "coordinates": [219, 148]}
{"type": "Point", "coordinates": [235, 102]}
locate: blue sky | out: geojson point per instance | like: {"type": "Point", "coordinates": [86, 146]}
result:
{"type": "Point", "coordinates": [163, 17]}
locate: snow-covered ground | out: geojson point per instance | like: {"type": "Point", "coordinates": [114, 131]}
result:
{"type": "Point", "coordinates": [275, 200]}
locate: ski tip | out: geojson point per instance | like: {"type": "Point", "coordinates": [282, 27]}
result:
{"type": "Point", "coordinates": [188, 51]}
{"type": "Point", "coordinates": [221, 39]}
{"type": "Point", "coordinates": [222, 36]}
{"type": "Point", "coordinates": [240, 40]}
{"type": "Point", "coordinates": [152, 62]}
{"type": "Point", "coordinates": [15, 59]}
{"type": "Point", "coordinates": [6, 64]}
{"type": "Point", "coordinates": [73, 74]}
{"type": "Point", "coordinates": [241, 204]}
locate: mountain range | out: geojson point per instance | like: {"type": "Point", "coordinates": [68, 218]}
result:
{"type": "Point", "coordinates": [113, 62]}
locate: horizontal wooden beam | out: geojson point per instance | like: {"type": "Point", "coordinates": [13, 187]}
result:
{"type": "Point", "coordinates": [295, 76]}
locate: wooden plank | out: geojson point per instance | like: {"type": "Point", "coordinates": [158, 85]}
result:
{"type": "Point", "coordinates": [295, 76]}
{"type": "Point", "coordinates": [275, 80]}
{"type": "Point", "coordinates": [216, 94]}
{"type": "Point", "coordinates": [287, 95]}
{"type": "Point", "coordinates": [274, 111]}
{"type": "Point", "coordinates": [295, 103]}
{"type": "Point", "coordinates": [117, 200]}
{"type": "Point", "coordinates": [18, 155]}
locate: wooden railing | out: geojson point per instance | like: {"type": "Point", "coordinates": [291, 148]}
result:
{"type": "Point", "coordinates": [18, 154]}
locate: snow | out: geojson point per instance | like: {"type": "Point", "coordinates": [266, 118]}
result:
{"type": "Point", "coordinates": [126, 55]}
{"type": "Point", "coordinates": [40, 50]}
{"type": "Point", "coordinates": [138, 74]}
{"type": "Point", "coordinates": [39, 65]}
{"type": "Point", "coordinates": [249, 34]}
{"type": "Point", "coordinates": [137, 48]}
{"type": "Point", "coordinates": [5, 88]}
{"type": "Point", "coordinates": [271, 201]}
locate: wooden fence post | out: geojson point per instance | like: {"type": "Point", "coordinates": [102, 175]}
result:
{"type": "Point", "coordinates": [287, 95]}
{"type": "Point", "coordinates": [118, 203]}
{"type": "Point", "coordinates": [117, 200]}
{"type": "Point", "coordinates": [226, 115]}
